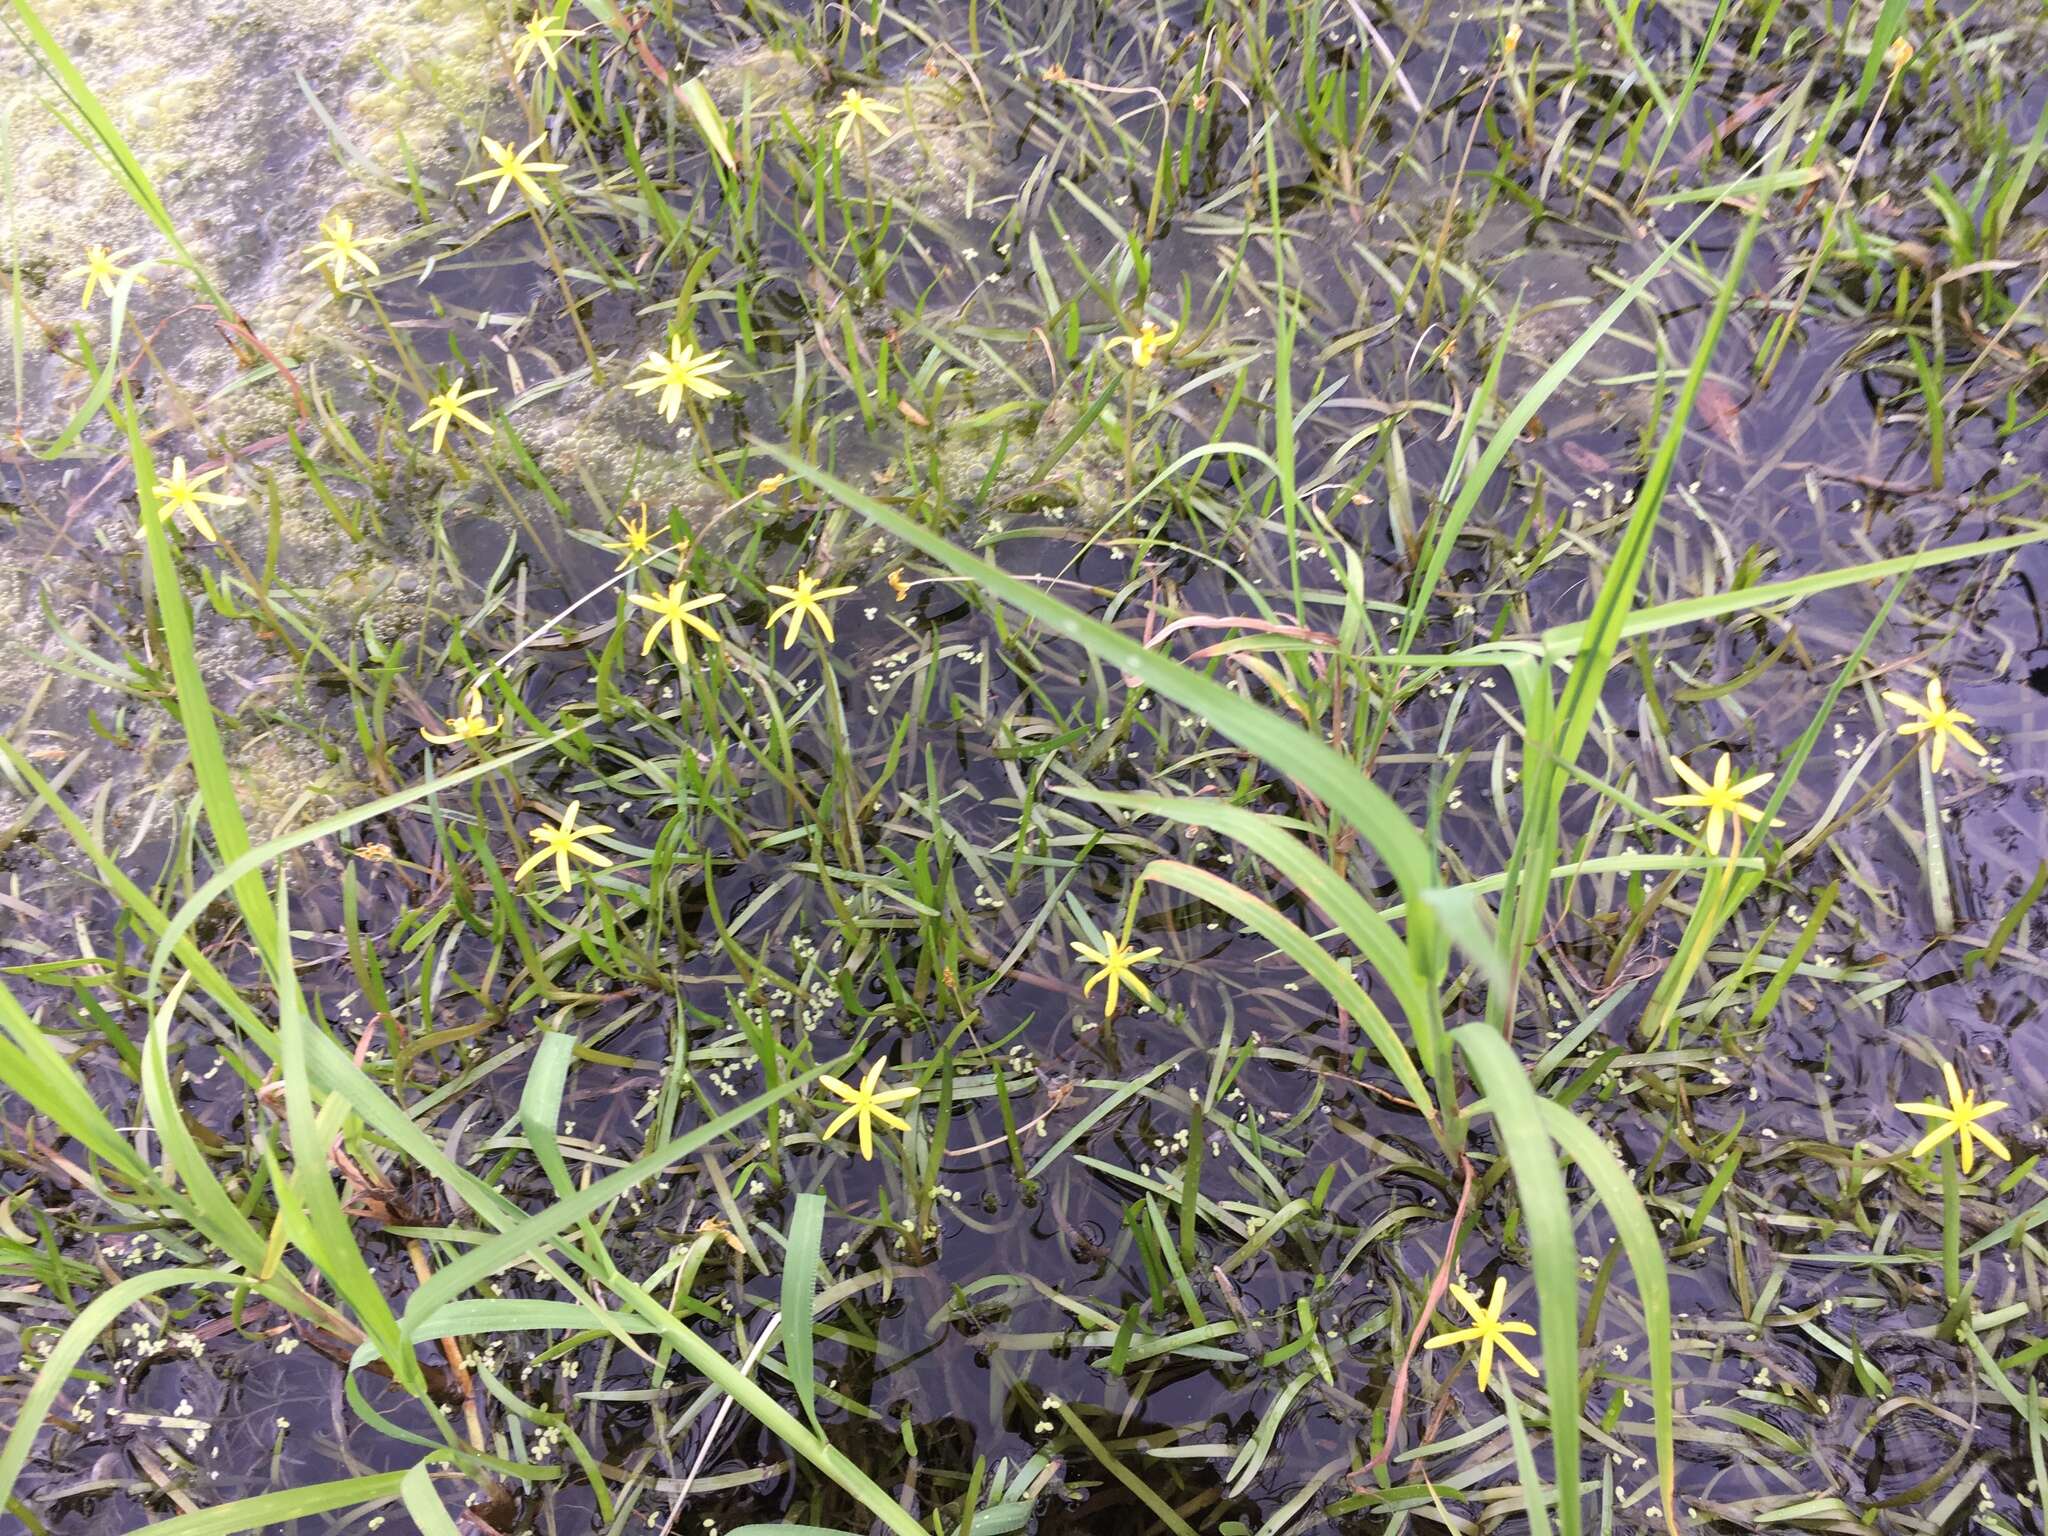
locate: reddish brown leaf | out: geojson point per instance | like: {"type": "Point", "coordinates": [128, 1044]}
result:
{"type": "Point", "coordinates": [1720, 410]}
{"type": "Point", "coordinates": [1585, 459]}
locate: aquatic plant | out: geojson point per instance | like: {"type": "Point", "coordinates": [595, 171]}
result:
{"type": "Point", "coordinates": [1147, 903]}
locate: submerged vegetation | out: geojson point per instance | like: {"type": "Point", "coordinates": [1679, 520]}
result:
{"type": "Point", "coordinates": [934, 766]}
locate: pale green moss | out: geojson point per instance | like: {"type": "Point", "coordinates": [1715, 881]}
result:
{"type": "Point", "coordinates": [238, 153]}
{"type": "Point", "coordinates": [211, 102]}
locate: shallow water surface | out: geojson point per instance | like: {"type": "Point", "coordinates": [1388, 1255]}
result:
{"type": "Point", "coordinates": [1441, 232]}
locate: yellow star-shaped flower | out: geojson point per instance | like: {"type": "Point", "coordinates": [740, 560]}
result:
{"type": "Point", "coordinates": [867, 1106]}
{"type": "Point", "coordinates": [1959, 1118]}
{"type": "Point", "coordinates": [1724, 802]}
{"type": "Point", "coordinates": [1146, 343]}
{"type": "Point", "coordinates": [103, 269]}
{"type": "Point", "coordinates": [338, 250]}
{"type": "Point", "coordinates": [511, 168]}
{"type": "Point", "coordinates": [805, 599]}
{"type": "Point", "coordinates": [180, 495]}
{"type": "Point", "coordinates": [447, 407]}
{"type": "Point", "coordinates": [635, 541]}
{"type": "Point", "coordinates": [1116, 959]}
{"type": "Point", "coordinates": [471, 725]}
{"type": "Point", "coordinates": [1939, 719]}
{"type": "Point", "coordinates": [1488, 1329]}
{"type": "Point", "coordinates": [682, 368]}
{"type": "Point", "coordinates": [540, 35]}
{"type": "Point", "coordinates": [561, 842]}
{"type": "Point", "coordinates": [678, 617]}
{"type": "Point", "coordinates": [857, 110]}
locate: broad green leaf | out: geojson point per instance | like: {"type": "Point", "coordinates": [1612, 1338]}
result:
{"type": "Point", "coordinates": [1553, 1244]}
{"type": "Point", "coordinates": [1638, 1234]}
{"type": "Point", "coordinates": [424, 1504]}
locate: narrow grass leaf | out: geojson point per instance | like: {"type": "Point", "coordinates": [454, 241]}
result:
{"type": "Point", "coordinates": [799, 1298]}
{"type": "Point", "coordinates": [1553, 1247]}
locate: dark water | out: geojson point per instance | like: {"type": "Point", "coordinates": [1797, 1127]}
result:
{"type": "Point", "coordinates": [1797, 1309]}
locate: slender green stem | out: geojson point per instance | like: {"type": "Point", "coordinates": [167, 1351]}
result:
{"type": "Point", "coordinates": [1706, 922]}
{"type": "Point", "coordinates": [1938, 893]}
{"type": "Point", "coordinates": [1951, 1224]}
{"type": "Point", "coordinates": [568, 294]}
{"type": "Point", "coordinates": [1130, 425]}
{"type": "Point", "coordinates": [400, 345]}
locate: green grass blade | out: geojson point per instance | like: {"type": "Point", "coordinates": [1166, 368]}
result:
{"type": "Point", "coordinates": [1325, 772]}
{"type": "Point", "coordinates": [1269, 838]}
{"type": "Point", "coordinates": [1329, 973]}
{"type": "Point", "coordinates": [269, 1510]}
{"type": "Point", "coordinates": [1638, 1234]}
{"type": "Point", "coordinates": [195, 711]}
{"type": "Point", "coordinates": [1525, 1459]}
{"type": "Point", "coordinates": [528, 1237]}
{"type": "Point", "coordinates": [171, 936]}
{"type": "Point", "coordinates": [424, 1504]}
{"type": "Point", "coordinates": [1566, 639]}
{"type": "Point", "coordinates": [778, 1420]}
{"type": "Point", "coordinates": [1553, 1246]}
{"type": "Point", "coordinates": [327, 1238]}
{"type": "Point", "coordinates": [213, 1212]}
{"type": "Point", "coordinates": [540, 1106]}
{"type": "Point", "coordinates": [37, 1071]}
{"type": "Point", "coordinates": [799, 1297]}
{"type": "Point", "coordinates": [1509, 434]}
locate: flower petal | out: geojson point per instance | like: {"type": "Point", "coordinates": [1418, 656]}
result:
{"type": "Point", "coordinates": [1991, 1143]}
{"type": "Point", "coordinates": [834, 1128]}
{"type": "Point", "coordinates": [1965, 739]}
{"type": "Point", "coordinates": [1699, 784]}
{"type": "Point", "coordinates": [1933, 1139]}
{"type": "Point", "coordinates": [1470, 1302]}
